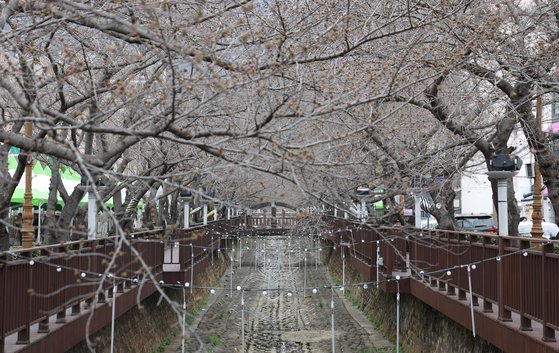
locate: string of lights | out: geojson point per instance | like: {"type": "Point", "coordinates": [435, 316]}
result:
{"type": "Point", "coordinates": [415, 273]}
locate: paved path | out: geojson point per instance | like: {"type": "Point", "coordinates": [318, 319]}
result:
{"type": "Point", "coordinates": [281, 312]}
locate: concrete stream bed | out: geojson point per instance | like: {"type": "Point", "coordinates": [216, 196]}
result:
{"type": "Point", "coordinates": [279, 300]}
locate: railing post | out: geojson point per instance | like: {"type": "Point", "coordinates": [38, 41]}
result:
{"type": "Point", "coordinates": [44, 323]}
{"type": "Point", "coordinates": [504, 314]}
{"type": "Point", "coordinates": [61, 315]}
{"type": "Point", "coordinates": [525, 322]}
{"type": "Point", "coordinates": [548, 333]}
{"type": "Point", "coordinates": [389, 263]}
{"type": "Point", "coordinates": [4, 281]}
{"type": "Point", "coordinates": [76, 308]}
{"type": "Point", "coordinates": [23, 335]}
{"type": "Point", "coordinates": [487, 306]}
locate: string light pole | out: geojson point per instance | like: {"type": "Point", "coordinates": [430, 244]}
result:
{"type": "Point", "coordinates": [379, 262]}
{"type": "Point", "coordinates": [191, 266]}
{"type": "Point", "coordinates": [317, 254]}
{"type": "Point", "coordinates": [305, 278]}
{"type": "Point", "coordinates": [240, 251]}
{"type": "Point", "coordinates": [470, 268]}
{"type": "Point", "coordinates": [333, 322]}
{"type": "Point", "coordinates": [231, 271]}
{"type": "Point", "coordinates": [113, 314]}
{"type": "Point", "coordinates": [242, 318]}
{"type": "Point", "coordinates": [183, 326]}
{"type": "Point", "coordinates": [398, 314]}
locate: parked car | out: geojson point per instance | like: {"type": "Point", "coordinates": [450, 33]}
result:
{"type": "Point", "coordinates": [476, 223]}
{"type": "Point", "coordinates": [550, 230]}
{"type": "Point", "coordinates": [430, 223]}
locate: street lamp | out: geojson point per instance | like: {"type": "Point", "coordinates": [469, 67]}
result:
{"type": "Point", "coordinates": [502, 168]}
{"type": "Point", "coordinates": [537, 203]}
{"type": "Point", "coordinates": [362, 193]}
{"type": "Point", "coordinates": [186, 196]}
{"type": "Point", "coordinates": [89, 183]}
{"type": "Point", "coordinates": [205, 211]}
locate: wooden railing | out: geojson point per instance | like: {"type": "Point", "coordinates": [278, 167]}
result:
{"type": "Point", "coordinates": [514, 276]}
{"type": "Point", "coordinates": [267, 221]}
{"type": "Point", "coordinates": [60, 280]}
{"type": "Point", "coordinates": [509, 275]}
{"type": "Point", "coordinates": [64, 279]}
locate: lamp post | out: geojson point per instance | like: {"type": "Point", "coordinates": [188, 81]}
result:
{"type": "Point", "coordinates": [89, 186]}
{"type": "Point", "coordinates": [91, 215]}
{"type": "Point", "coordinates": [205, 212]}
{"type": "Point", "coordinates": [537, 204]}
{"type": "Point", "coordinates": [362, 193]}
{"type": "Point", "coordinates": [186, 196]}
{"type": "Point", "coordinates": [27, 218]}
{"type": "Point", "coordinates": [503, 168]}
{"type": "Point", "coordinates": [417, 211]}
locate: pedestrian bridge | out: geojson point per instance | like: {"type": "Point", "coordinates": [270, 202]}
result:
{"type": "Point", "coordinates": [503, 289]}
